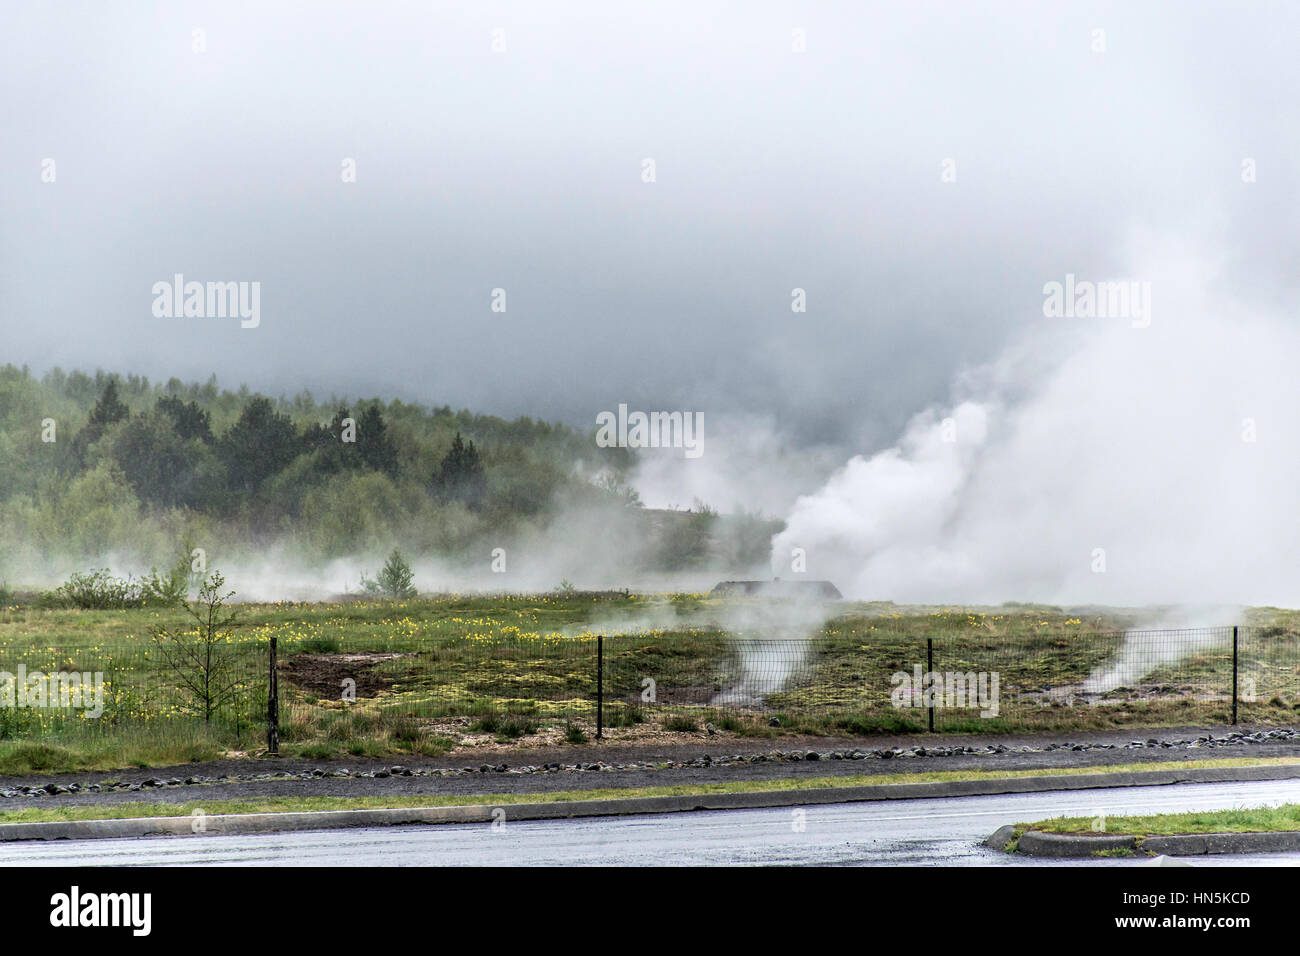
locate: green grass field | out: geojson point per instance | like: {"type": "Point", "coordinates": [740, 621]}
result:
{"type": "Point", "coordinates": [434, 674]}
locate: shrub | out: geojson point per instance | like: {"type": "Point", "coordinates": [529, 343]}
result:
{"type": "Point", "coordinates": [98, 590]}
{"type": "Point", "coordinates": [573, 734]}
{"type": "Point", "coordinates": [508, 728]}
{"type": "Point", "coordinates": [170, 589]}
{"type": "Point", "coordinates": [403, 729]}
{"type": "Point", "coordinates": [50, 600]}
{"type": "Point", "coordinates": [487, 724]}
{"type": "Point", "coordinates": [514, 728]}
{"type": "Point", "coordinates": [625, 716]}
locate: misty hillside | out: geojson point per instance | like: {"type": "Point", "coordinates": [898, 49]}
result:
{"type": "Point", "coordinates": [109, 468]}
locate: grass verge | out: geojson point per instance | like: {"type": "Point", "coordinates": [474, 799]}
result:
{"type": "Point", "coordinates": [1254, 820]}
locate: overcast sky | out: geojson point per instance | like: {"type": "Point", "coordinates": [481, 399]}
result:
{"type": "Point", "coordinates": [523, 170]}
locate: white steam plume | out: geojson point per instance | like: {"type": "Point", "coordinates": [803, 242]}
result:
{"type": "Point", "coordinates": [773, 637]}
{"type": "Point", "coordinates": [1170, 638]}
{"type": "Point", "coordinates": [1095, 462]}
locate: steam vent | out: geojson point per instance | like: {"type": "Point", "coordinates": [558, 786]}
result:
{"type": "Point", "coordinates": [822, 590]}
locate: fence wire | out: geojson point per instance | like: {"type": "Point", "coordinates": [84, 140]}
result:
{"type": "Point", "coordinates": [131, 687]}
{"type": "Point", "coordinates": [837, 680]}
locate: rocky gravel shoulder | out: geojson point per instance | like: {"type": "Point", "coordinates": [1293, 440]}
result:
{"type": "Point", "coordinates": [612, 765]}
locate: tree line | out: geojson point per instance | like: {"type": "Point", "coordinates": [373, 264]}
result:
{"type": "Point", "coordinates": [107, 461]}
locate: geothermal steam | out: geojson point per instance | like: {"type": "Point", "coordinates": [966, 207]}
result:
{"type": "Point", "coordinates": [1170, 638]}
{"type": "Point", "coordinates": [771, 638]}
{"type": "Point", "coordinates": [1095, 462]}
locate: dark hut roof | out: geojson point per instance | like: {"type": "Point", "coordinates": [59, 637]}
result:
{"type": "Point", "coordinates": [778, 588]}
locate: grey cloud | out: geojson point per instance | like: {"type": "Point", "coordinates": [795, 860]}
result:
{"type": "Point", "coordinates": [522, 170]}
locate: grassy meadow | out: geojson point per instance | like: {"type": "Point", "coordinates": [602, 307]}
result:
{"type": "Point", "coordinates": [432, 675]}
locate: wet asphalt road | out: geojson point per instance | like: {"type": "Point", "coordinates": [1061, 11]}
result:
{"type": "Point", "coordinates": [899, 833]}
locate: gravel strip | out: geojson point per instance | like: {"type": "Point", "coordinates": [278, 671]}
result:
{"type": "Point", "coordinates": [296, 778]}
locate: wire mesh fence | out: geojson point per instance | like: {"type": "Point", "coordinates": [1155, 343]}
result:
{"type": "Point", "coordinates": [132, 687]}
{"type": "Point", "coordinates": [837, 680]}
{"type": "Point", "coordinates": [887, 682]}
{"type": "Point", "coordinates": [1085, 680]}
{"type": "Point", "coordinates": [551, 677]}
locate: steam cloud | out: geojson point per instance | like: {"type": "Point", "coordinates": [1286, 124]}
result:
{"type": "Point", "coordinates": [1198, 629]}
{"type": "Point", "coordinates": [773, 637]}
{"type": "Point", "coordinates": [1093, 462]}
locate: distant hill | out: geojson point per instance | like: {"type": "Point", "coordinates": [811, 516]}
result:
{"type": "Point", "coordinates": [106, 464]}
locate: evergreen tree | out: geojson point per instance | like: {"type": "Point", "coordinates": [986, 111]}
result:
{"type": "Point", "coordinates": [328, 440]}
{"type": "Point", "coordinates": [374, 443]}
{"type": "Point", "coordinates": [461, 477]}
{"type": "Point", "coordinates": [188, 420]}
{"type": "Point", "coordinates": [259, 445]}
{"type": "Point", "coordinates": [153, 458]}
{"type": "Point", "coordinates": [395, 580]}
{"type": "Point", "coordinates": [108, 409]}
{"type": "Point", "coordinates": [371, 447]}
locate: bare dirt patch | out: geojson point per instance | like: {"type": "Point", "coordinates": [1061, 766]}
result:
{"type": "Point", "coordinates": [323, 674]}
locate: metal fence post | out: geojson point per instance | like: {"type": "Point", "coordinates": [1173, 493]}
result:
{"type": "Point", "coordinates": [273, 705]}
{"type": "Point", "coordinates": [600, 685]}
{"type": "Point", "coordinates": [929, 670]}
{"type": "Point", "coordinates": [1234, 674]}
